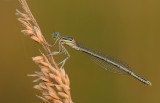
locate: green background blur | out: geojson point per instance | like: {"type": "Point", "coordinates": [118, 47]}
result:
{"type": "Point", "coordinates": [128, 30]}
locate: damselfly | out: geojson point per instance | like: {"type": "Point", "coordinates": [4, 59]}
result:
{"type": "Point", "coordinates": [103, 61]}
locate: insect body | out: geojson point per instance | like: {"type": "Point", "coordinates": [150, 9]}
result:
{"type": "Point", "coordinates": [103, 61]}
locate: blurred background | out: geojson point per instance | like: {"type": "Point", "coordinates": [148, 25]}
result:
{"type": "Point", "coordinates": [127, 30]}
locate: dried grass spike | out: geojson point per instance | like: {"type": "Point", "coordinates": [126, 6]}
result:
{"type": "Point", "coordinates": [42, 98]}
{"type": "Point", "coordinates": [27, 32]}
{"type": "Point", "coordinates": [53, 81]}
{"type": "Point", "coordinates": [35, 39]}
{"type": "Point", "coordinates": [63, 95]}
{"type": "Point", "coordinates": [36, 80]}
{"type": "Point", "coordinates": [53, 95]}
{"type": "Point", "coordinates": [37, 87]}
{"type": "Point", "coordinates": [38, 59]}
{"type": "Point", "coordinates": [32, 75]}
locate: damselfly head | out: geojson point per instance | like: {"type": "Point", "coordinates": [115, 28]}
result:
{"type": "Point", "coordinates": [56, 35]}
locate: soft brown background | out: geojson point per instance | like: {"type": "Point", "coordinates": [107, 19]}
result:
{"type": "Point", "coordinates": [128, 30]}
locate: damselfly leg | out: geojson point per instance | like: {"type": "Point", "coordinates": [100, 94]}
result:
{"type": "Point", "coordinates": [61, 50]}
{"type": "Point", "coordinates": [64, 50]}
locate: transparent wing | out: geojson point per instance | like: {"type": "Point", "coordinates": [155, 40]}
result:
{"type": "Point", "coordinates": [108, 66]}
{"type": "Point", "coordinates": [97, 58]}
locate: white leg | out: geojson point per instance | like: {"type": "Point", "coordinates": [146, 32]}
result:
{"type": "Point", "coordinates": [67, 54]}
{"type": "Point", "coordinates": [60, 51]}
{"type": "Point", "coordinates": [54, 43]}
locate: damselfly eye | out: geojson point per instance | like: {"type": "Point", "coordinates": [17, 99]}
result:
{"type": "Point", "coordinates": [55, 35]}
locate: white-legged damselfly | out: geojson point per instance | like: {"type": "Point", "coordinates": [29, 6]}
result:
{"type": "Point", "coordinates": [103, 61]}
